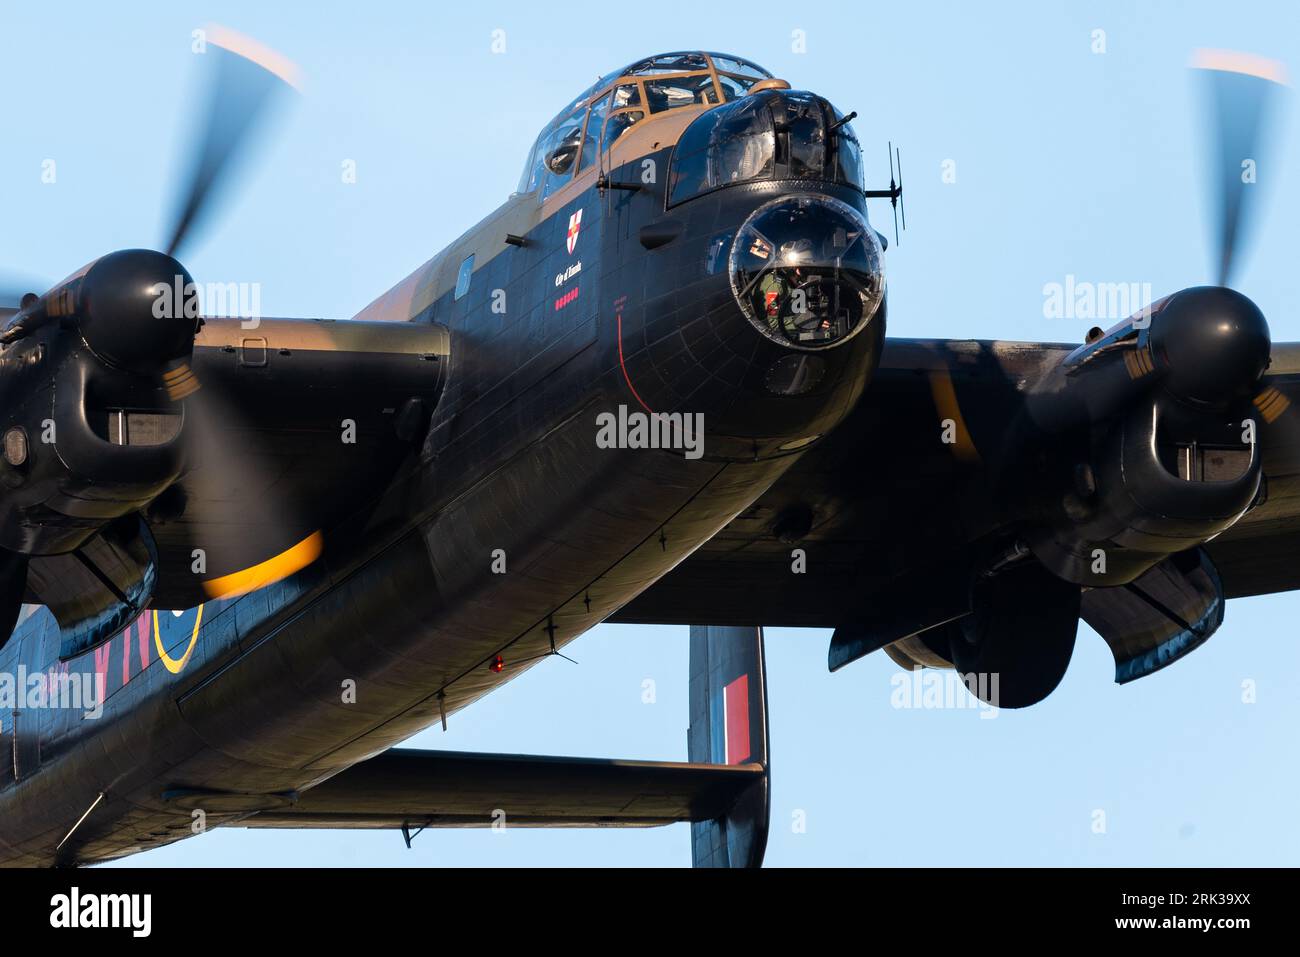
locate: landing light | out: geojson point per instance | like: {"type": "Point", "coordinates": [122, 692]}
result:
{"type": "Point", "coordinates": [15, 446]}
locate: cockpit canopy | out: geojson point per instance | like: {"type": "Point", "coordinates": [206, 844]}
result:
{"type": "Point", "coordinates": [595, 120]}
{"type": "Point", "coordinates": [773, 134]}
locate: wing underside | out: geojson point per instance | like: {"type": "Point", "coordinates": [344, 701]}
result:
{"type": "Point", "coordinates": [884, 505]}
{"type": "Point", "coordinates": [410, 788]}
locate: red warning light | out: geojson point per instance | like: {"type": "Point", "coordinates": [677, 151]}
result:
{"type": "Point", "coordinates": [498, 665]}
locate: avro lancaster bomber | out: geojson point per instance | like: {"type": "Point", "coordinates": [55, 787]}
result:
{"type": "Point", "coordinates": [240, 561]}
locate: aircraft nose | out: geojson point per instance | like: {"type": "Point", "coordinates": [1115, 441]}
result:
{"type": "Point", "coordinates": [807, 271]}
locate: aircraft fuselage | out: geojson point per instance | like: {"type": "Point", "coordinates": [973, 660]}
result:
{"type": "Point", "coordinates": [512, 530]}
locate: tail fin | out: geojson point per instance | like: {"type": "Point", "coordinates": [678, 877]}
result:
{"type": "Point", "coordinates": [728, 700]}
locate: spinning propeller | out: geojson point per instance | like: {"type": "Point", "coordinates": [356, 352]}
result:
{"type": "Point", "coordinates": [1240, 88]}
{"type": "Point", "coordinates": [1205, 346]}
{"type": "Point", "coordinates": [105, 317]}
{"type": "Point", "coordinates": [1210, 344]}
{"type": "Point", "coordinates": [1213, 342]}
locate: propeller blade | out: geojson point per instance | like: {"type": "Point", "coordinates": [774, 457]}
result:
{"type": "Point", "coordinates": [1240, 90]}
{"type": "Point", "coordinates": [248, 78]}
{"type": "Point", "coordinates": [267, 572]}
{"type": "Point", "coordinates": [250, 530]}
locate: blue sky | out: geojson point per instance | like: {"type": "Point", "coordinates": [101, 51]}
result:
{"type": "Point", "coordinates": [1067, 162]}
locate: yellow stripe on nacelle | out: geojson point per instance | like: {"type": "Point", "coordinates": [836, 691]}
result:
{"type": "Point", "coordinates": [1271, 403]}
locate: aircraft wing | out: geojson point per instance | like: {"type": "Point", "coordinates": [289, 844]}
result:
{"type": "Point", "coordinates": [291, 428]}
{"type": "Point", "coordinates": [880, 494]}
{"type": "Point", "coordinates": [297, 425]}
{"type": "Point", "coordinates": [885, 515]}
{"type": "Point", "coordinates": [1258, 555]}
{"type": "Point", "coordinates": [407, 787]}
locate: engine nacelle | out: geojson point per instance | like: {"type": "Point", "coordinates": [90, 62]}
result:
{"type": "Point", "coordinates": [1162, 480]}
{"type": "Point", "coordinates": [1145, 438]}
{"type": "Point", "coordinates": [90, 375]}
